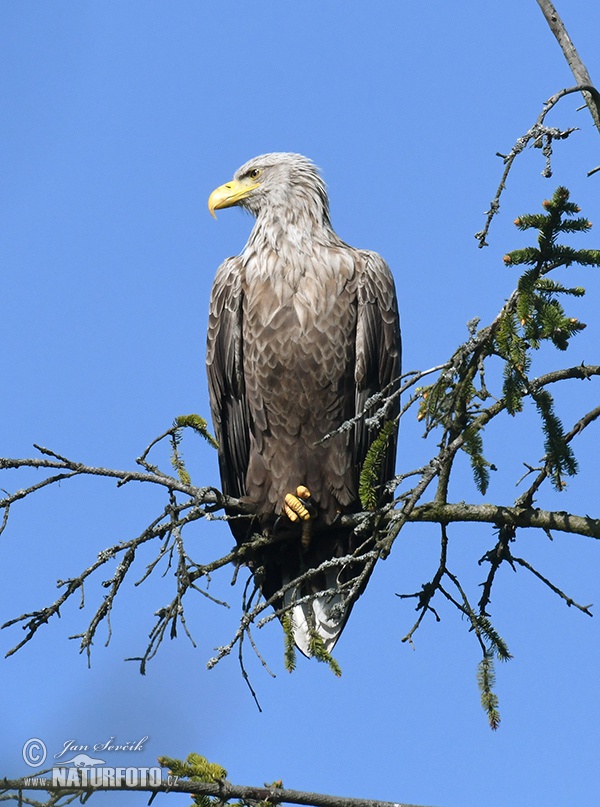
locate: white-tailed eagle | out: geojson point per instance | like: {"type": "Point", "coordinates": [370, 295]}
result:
{"type": "Point", "coordinates": [303, 331]}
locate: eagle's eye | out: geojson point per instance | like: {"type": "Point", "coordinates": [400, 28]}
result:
{"type": "Point", "coordinates": [255, 173]}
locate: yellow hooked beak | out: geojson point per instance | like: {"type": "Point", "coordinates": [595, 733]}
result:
{"type": "Point", "coordinates": [230, 194]}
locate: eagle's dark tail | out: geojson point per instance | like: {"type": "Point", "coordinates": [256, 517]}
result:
{"type": "Point", "coordinates": [319, 602]}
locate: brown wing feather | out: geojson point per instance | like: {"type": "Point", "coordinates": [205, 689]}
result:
{"type": "Point", "coordinates": [227, 389]}
{"type": "Point", "coordinates": [378, 354]}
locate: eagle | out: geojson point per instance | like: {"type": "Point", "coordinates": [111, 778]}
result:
{"type": "Point", "coordinates": [303, 361]}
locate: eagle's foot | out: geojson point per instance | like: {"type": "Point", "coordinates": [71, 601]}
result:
{"type": "Point", "coordinates": [298, 507]}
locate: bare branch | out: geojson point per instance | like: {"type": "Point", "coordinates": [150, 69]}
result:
{"type": "Point", "coordinates": [569, 600]}
{"type": "Point", "coordinates": [526, 499]}
{"type": "Point", "coordinates": [542, 136]}
{"type": "Point", "coordinates": [579, 70]}
{"type": "Point", "coordinates": [222, 790]}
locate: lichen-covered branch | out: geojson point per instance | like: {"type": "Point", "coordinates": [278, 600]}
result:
{"type": "Point", "coordinates": [502, 516]}
{"type": "Point", "coordinates": [540, 136]}
{"type": "Point", "coordinates": [222, 791]}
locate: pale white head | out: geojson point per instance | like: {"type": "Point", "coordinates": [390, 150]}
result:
{"type": "Point", "coordinates": [280, 182]}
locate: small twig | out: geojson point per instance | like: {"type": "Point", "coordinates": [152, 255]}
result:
{"type": "Point", "coordinates": [569, 600]}
{"type": "Point", "coordinates": [495, 557]}
{"type": "Point", "coordinates": [429, 590]}
{"type": "Point", "coordinates": [526, 499]}
{"type": "Point", "coordinates": [536, 133]}
{"type": "Point", "coordinates": [384, 401]}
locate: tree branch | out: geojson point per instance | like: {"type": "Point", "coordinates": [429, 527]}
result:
{"type": "Point", "coordinates": [501, 516]}
{"type": "Point", "coordinates": [579, 70]}
{"type": "Point", "coordinates": [542, 137]}
{"type": "Point", "coordinates": [222, 790]}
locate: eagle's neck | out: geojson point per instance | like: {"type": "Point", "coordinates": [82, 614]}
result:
{"type": "Point", "coordinates": [290, 231]}
{"type": "Point", "coordinates": [296, 260]}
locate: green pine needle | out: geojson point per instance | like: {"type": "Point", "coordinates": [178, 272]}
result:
{"type": "Point", "coordinates": [177, 460]}
{"type": "Point", "coordinates": [486, 679]}
{"type": "Point", "coordinates": [473, 446]}
{"type": "Point", "coordinates": [317, 649]}
{"type": "Point", "coordinates": [559, 454]}
{"type": "Point", "coordinates": [498, 646]}
{"type": "Point", "coordinates": [544, 284]}
{"type": "Point", "coordinates": [289, 656]}
{"type": "Point", "coordinates": [518, 256]}
{"type": "Point", "coordinates": [370, 473]}
{"type": "Point", "coordinates": [198, 424]}
{"type": "Point", "coordinates": [538, 315]}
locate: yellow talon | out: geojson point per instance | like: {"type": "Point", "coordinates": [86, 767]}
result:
{"type": "Point", "coordinates": [288, 510]}
{"type": "Point", "coordinates": [293, 507]}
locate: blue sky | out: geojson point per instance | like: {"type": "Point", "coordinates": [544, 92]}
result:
{"type": "Point", "coordinates": [118, 119]}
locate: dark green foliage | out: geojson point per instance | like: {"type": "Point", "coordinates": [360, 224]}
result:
{"type": "Point", "coordinates": [319, 651]}
{"type": "Point", "coordinates": [197, 424]}
{"type": "Point", "coordinates": [496, 644]}
{"type": "Point", "coordinates": [316, 647]}
{"type": "Point", "coordinates": [493, 646]}
{"type": "Point", "coordinates": [473, 446]}
{"type": "Point", "coordinates": [559, 455]}
{"type": "Point", "coordinates": [538, 316]}
{"type": "Point", "coordinates": [289, 655]}
{"type": "Point", "coordinates": [544, 284]}
{"type": "Point", "coordinates": [533, 315]}
{"type": "Point", "coordinates": [177, 459]}
{"type": "Point", "coordinates": [454, 402]}
{"type": "Point", "coordinates": [369, 475]}
{"type": "Point", "coordinates": [486, 679]}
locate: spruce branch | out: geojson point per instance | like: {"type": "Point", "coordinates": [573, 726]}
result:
{"type": "Point", "coordinates": [486, 679]}
{"type": "Point", "coordinates": [368, 491]}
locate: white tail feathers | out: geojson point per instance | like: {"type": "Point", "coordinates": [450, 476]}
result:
{"type": "Point", "coordinates": [323, 614]}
